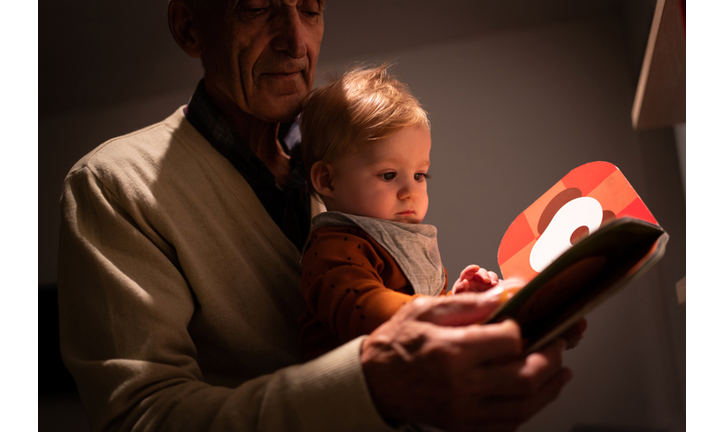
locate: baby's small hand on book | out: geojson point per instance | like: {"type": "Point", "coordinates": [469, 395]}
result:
{"type": "Point", "coordinates": [475, 279]}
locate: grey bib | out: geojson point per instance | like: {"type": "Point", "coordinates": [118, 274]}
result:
{"type": "Point", "coordinates": [413, 246]}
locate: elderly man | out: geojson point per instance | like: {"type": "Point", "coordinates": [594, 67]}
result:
{"type": "Point", "coordinates": [179, 268]}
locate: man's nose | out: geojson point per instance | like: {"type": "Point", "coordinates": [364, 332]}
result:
{"type": "Point", "coordinates": [290, 37]}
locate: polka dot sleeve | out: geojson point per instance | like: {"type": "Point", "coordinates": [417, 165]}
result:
{"type": "Point", "coordinates": [350, 283]}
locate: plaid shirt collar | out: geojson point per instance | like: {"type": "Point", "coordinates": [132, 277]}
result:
{"type": "Point", "coordinates": [289, 208]}
{"type": "Point", "coordinates": [203, 115]}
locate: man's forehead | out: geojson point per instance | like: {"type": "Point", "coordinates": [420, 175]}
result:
{"type": "Point", "coordinates": [260, 3]}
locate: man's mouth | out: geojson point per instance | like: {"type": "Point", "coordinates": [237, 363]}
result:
{"type": "Point", "coordinates": [284, 82]}
{"type": "Point", "coordinates": [283, 74]}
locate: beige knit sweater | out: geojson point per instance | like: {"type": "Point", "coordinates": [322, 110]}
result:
{"type": "Point", "coordinates": [179, 298]}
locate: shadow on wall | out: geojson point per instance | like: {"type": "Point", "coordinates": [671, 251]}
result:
{"type": "Point", "coordinates": [588, 428]}
{"type": "Point", "coordinates": [59, 406]}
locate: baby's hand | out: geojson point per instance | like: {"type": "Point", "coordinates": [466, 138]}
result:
{"type": "Point", "coordinates": [505, 289]}
{"type": "Point", "coordinates": [475, 279]}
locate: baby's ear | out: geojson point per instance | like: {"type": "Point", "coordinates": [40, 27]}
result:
{"type": "Point", "coordinates": [321, 177]}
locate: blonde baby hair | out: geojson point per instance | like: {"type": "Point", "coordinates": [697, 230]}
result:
{"type": "Point", "coordinates": [365, 104]}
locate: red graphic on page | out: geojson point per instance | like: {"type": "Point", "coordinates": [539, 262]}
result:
{"type": "Point", "coordinates": [580, 203]}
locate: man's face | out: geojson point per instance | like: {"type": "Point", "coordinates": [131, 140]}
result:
{"type": "Point", "coordinates": [261, 55]}
{"type": "Point", "coordinates": [385, 179]}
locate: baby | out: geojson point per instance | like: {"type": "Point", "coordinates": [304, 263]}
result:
{"type": "Point", "coordinates": [366, 150]}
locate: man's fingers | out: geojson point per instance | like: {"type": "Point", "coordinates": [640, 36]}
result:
{"type": "Point", "coordinates": [473, 373]}
{"type": "Point", "coordinates": [521, 377]}
{"type": "Point", "coordinates": [455, 310]}
{"type": "Point", "coordinates": [520, 409]}
{"type": "Point", "coordinates": [506, 412]}
{"type": "Point", "coordinates": [573, 335]}
{"type": "Point", "coordinates": [471, 346]}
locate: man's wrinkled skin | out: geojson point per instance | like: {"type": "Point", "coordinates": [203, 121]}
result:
{"type": "Point", "coordinates": [433, 364]}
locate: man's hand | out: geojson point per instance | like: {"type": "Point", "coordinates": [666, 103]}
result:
{"type": "Point", "coordinates": [573, 335]}
{"type": "Point", "coordinates": [431, 363]}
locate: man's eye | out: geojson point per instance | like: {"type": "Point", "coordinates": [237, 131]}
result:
{"type": "Point", "coordinates": [388, 176]}
{"type": "Point", "coordinates": [311, 8]}
{"type": "Point", "coordinates": [251, 13]}
{"type": "Point", "coordinates": [421, 176]}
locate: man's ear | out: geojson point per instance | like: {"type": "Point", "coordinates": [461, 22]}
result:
{"type": "Point", "coordinates": [321, 177]}
{"type": "Point", "coordinates": [184, 27]}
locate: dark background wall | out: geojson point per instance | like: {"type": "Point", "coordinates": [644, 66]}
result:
{"type": "Point", "coordinates": [519, 93]}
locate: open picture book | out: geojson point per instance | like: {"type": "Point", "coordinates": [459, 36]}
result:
{"type": "Point", "coordinates": [577, 245]}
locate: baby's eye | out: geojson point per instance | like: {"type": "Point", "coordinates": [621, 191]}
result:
{"type": "Point", "coordinates": [421, 176]}
{"type": "Point", "coordinates": [388, 176]}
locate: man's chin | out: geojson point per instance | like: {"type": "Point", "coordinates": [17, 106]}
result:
{"type": "Point", "coordinates": [279, 109]}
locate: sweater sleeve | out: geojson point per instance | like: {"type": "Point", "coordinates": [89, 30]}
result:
{"type": "Point", "coordinates": [125, 308]}
{"type": "Point", "coordinates": [350, 283]}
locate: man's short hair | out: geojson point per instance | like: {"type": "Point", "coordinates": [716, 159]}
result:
{"type": "Point", "coordinates": [197, 4]}
{"type": "Point", "coordinates": [366, 104]}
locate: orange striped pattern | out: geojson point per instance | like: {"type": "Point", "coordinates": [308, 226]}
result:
{"type": "Point", "coordinates": [600, 180]}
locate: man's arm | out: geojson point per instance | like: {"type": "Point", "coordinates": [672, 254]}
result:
{"type": "Point", "coordinates": [125, 310]}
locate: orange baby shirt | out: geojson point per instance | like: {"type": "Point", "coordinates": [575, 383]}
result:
{"type": "Point", "coordinates": [352, 284]}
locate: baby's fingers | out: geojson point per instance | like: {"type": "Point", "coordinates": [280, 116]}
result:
{"type": "Point", "coordinates": [486, 277]}
{"type": "Point", "coordinates": [461, 286]}
{"type": "Point", "coordinates": [469, 272]}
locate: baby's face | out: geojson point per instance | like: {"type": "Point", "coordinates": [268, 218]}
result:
{"type": "Point", "coordinates": [385, 179]}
